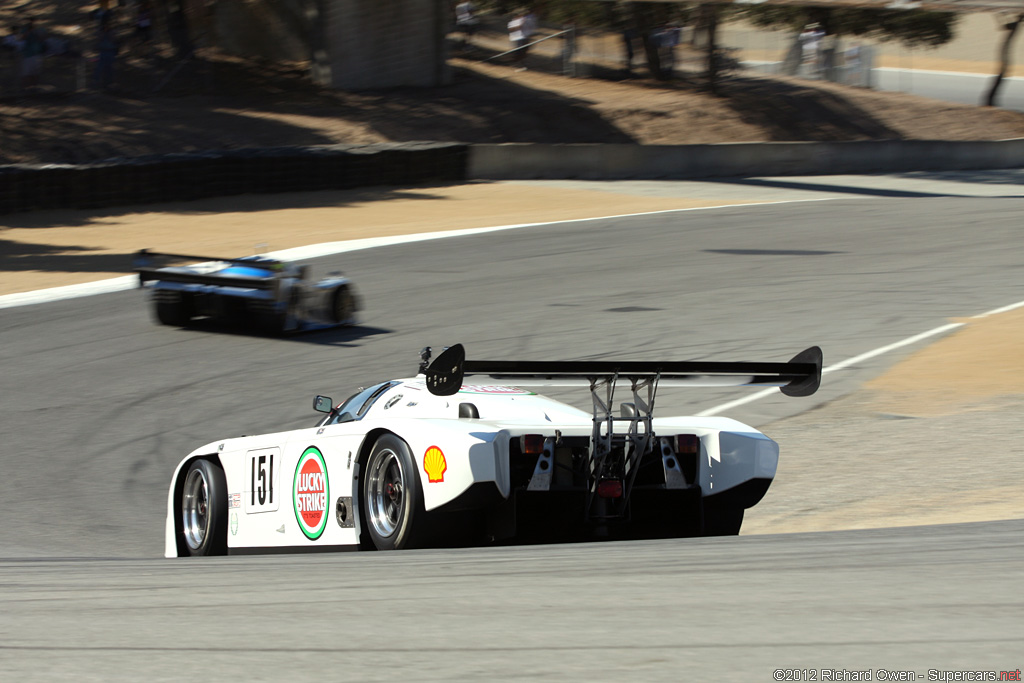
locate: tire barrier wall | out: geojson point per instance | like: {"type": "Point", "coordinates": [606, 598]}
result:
{"type": "Point", "coordinates": [623, 161]}
{"type": "Point", "coordinates": [182, 177]}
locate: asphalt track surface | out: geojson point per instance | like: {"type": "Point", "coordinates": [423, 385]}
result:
{"type": "Point", "coordinates": [99, 405]}
{"type": "Point", "coordinates": [914, 599]}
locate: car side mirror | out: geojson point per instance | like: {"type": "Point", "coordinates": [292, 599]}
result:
{"type": "Point", "coordinates": [323, 404]}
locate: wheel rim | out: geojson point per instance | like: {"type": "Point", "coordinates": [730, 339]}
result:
{"type": "Point", "coordinates": [195, 509]}
{"type": "Point", "coordinates": [386, 493]}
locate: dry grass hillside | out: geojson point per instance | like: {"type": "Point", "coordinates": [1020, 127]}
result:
{"type": "Point", "coordinates": [221, 102]}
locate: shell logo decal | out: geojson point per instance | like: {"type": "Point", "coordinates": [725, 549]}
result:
{"type": "Point", "coordinates": [434, 464]}
{"type": "Point", "coordinates": [310, 493]}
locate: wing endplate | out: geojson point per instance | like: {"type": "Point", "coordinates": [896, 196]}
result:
{"type": "Point", "coordinates": [445, 373]}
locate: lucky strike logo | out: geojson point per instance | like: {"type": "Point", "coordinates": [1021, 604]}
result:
{"type": "Point", "coordinates": [310, 493]}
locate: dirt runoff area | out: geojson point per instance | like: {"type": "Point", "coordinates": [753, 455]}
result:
{"type": "Point", "coordinates": [914, 446]}
{"type": "Point", "coordinates": [938, 439]}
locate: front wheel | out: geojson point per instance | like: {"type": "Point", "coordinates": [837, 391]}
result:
{"type": "Point", "coordinates": [204, 502]}
{"type": "Point", "coordinates": [393, 497]}
{"type": "Point", "coordinates": [344, 307]}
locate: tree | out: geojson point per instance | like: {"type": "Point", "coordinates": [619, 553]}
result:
{"type": "Point", "coordinates": [710, 16]}
{"type": "Point", "coordinates": [1004, 59]}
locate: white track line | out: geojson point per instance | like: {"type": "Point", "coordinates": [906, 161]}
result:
{"type": "Point", "coordinates": [126, 282]}
{"type": "Point", "coordinates": [942, 329]}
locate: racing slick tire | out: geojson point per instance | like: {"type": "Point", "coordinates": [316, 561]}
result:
{"type": "Point", "coordinates": [203, 509]}
{"type": "Point", "coordinates": [173, 308]}
{"type": "Point", "coordinates": [722, 521]}
{"type": "Point", "coordinates": [392, 497]}
{"type": "Point", "coordinates": [344, 306]}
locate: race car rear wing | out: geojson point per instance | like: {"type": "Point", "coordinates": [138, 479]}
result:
{"type": "Point", "coordinates": [144, 261]}
{"type": "Point", "coordinates": [157, 274]}
{"type": "Point", "coordinates": [144, 258]}
{"type": "Point", "coordinates": [801, 376]}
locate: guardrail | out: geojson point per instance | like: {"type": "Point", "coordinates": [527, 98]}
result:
{"type": "Point", "coordinates": [624, 161]}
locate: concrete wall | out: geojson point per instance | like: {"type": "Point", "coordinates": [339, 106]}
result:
{"type": "Point", "coordinates": [178, 177]}
{"type": "Point", "coordinates": [384, 43]}
{"type": "Point", "coordinates": [623, 161]}
{"type": "Point", "coordinates": [274, 29]}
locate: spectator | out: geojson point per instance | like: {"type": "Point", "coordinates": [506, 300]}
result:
{"type": "Point", "coordinates": [32, 48]}
{"type": "Point", "coordinates": [465, 20]}
{"type": "Point", "coordinates": [810, 45]}
{"type": "Point", "coordinates": [627, 42]}
{"type": "Point", "coordinates": [102, 14]}
{"type": "Point", "coordinates": [56, 45]}
{"type": "Point", "coordinates": [668, 40]}
{"type": "Point", "coordinates": [569, 49]}
{"type": "Point", "coordinates": [520, 30]}
{"type": "Point", "coordinates": [529, 26]}
{"type": "Point", "coordinates": [12, 41]}
{"type": "Point", "coordinates": [517, 37]}
{"type": "Point", "coordinates": [106, 52]}
{"type": "Point", "coordinates": [144, 22]}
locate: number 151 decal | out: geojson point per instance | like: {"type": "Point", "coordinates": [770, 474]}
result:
{"type": "Point", "coordinates": [263, 479]}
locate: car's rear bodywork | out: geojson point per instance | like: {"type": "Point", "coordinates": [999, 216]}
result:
{"type": "Point", "coordinates": [496, 462]}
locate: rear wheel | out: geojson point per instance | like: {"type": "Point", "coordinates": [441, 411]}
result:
{"type": "Point", "coordinates": [722, 521]}
{"type": "Point", "coordinates": [393, 497]}
{"type": "Point", "coordinates": [173, 308]}
{"type": "Point", "coordinates": [204, 499]}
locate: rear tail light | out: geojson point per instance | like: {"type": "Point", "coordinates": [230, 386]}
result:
{"type": "Point", "coordinates": [532, 444]}
{"type": "Point", "coordinates": [609, 488]}
{"type": "Point", "coordinates": [687, 444]}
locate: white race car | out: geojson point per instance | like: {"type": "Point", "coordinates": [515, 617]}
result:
{"type": "Point", "coordinates": [433, 460]}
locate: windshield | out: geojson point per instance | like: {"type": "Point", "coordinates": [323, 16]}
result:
{"type": "Point", "coordinates": [356, 406]}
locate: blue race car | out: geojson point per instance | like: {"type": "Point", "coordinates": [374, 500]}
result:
{"type": "Point", "coordinates": [254, 291]}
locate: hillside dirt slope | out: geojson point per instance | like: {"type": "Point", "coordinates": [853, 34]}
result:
{"type": "Point", "coordinates": [229, 103]}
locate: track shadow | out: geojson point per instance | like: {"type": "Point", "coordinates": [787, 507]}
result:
{"type": "Point", "coordinates": [474, 108]}
{"type": "Point", "coordinates": [350, 336]}
{"type": "Point", "coordinates": [252, 203]}
{"type": "Point", "coordinates": [92, 127]}
{"type": "Point", "coordinates": [242, 104]}
{"type": "Point", "coordinates": [1008, 176]}
{"type": "Point", "coordinates": [812, 186]}
{"type": "Point", "coordinates": [31, 256]}
{"type": "Point", "coordinates": [787, 110]}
